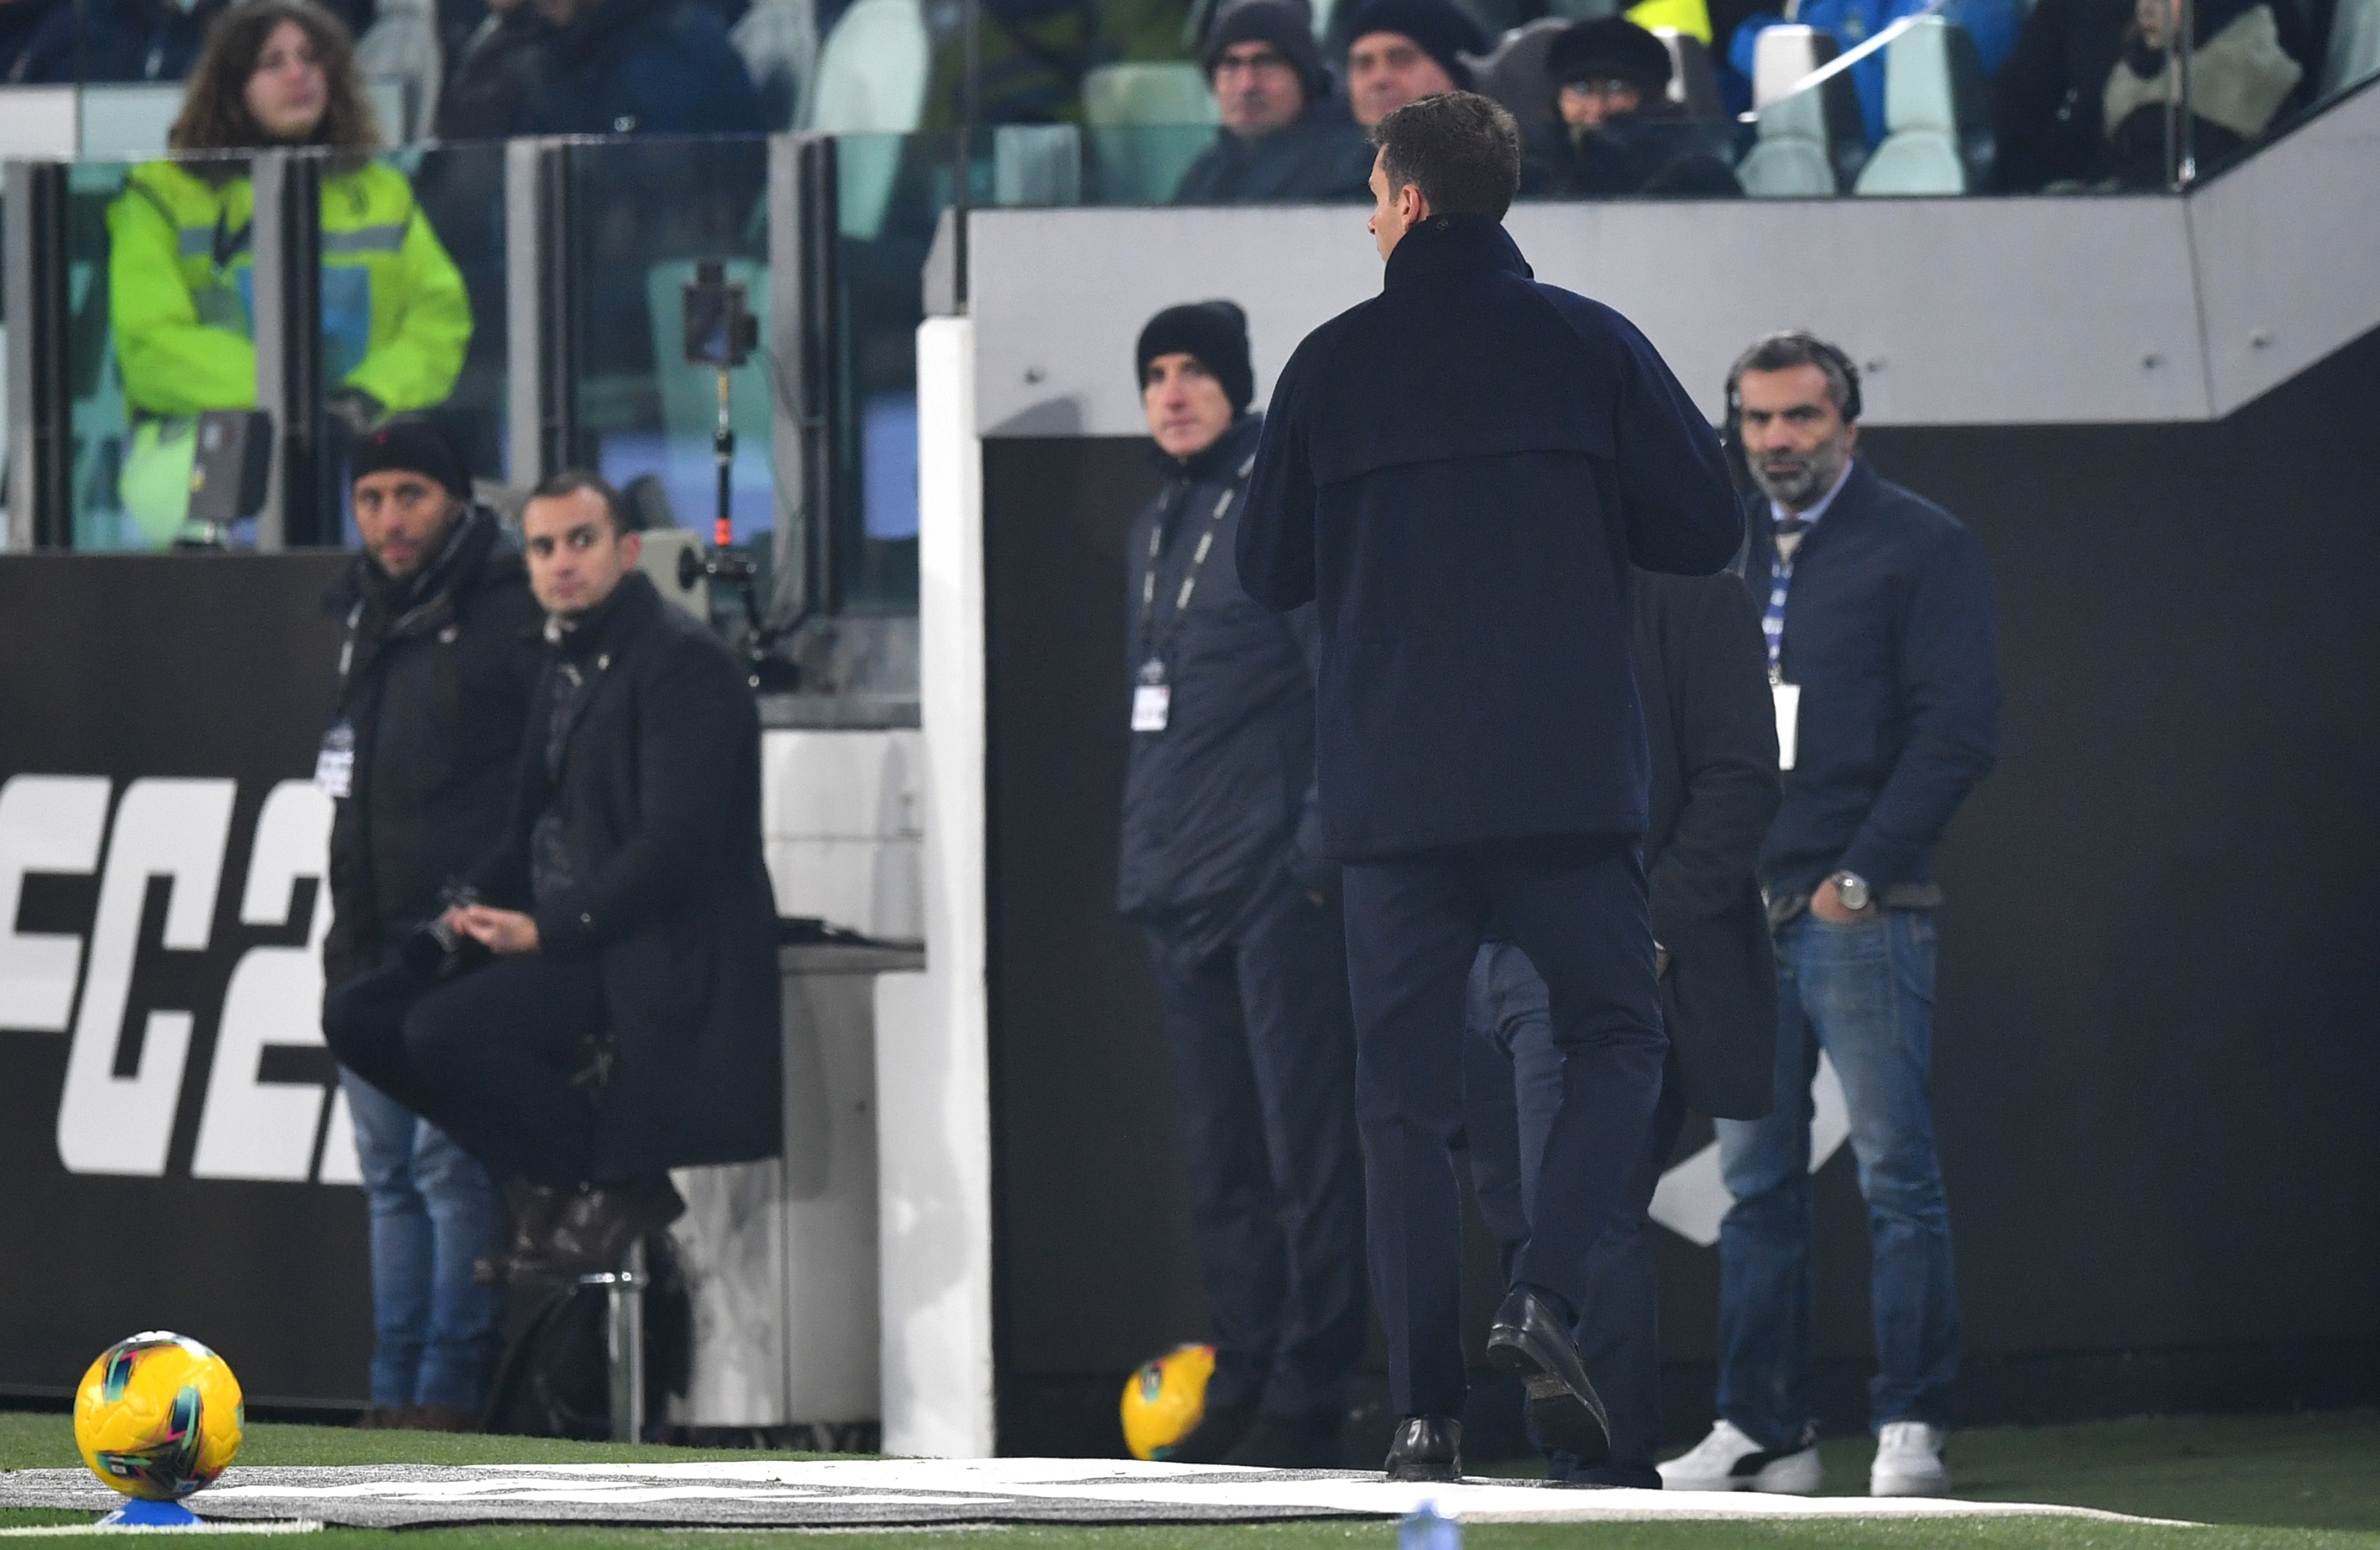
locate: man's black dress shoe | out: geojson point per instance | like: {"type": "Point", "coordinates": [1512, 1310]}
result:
{"type": "Point", "coordinates": [599, 1222]}
{"type": "Point", "coordinates": [1528, 1341]}
{"type": "Point", "coordinates": [1218, 1431]}
{"type": "Point", "coordinates": [1426, 1448]}
{"type": "Point", "coordinates": [535, 1209]}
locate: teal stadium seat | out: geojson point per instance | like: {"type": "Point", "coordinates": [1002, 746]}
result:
{"type": "Point", "coordinates": [1147, 123]}
{"type": "Point", "coordinates": [1933, 110]}
{"type": "Point", "coordinates": [871, 83]}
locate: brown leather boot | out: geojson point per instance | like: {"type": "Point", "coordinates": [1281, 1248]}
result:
{"type": "Point", "coordinates": [602, 1220]}
{"type": "Point", "coordinates": [441, 1418]}
{"type": "Point", "coordinates": [535, 1209]}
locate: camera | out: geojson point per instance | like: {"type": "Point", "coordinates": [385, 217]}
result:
{"type": "Point", "coordinates": [436, 949]}
{"type": "Point", "coordinates": [720, 329]}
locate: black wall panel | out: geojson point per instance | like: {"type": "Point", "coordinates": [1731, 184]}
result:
{"type": "Point", "coordinates": [2159, 1048]}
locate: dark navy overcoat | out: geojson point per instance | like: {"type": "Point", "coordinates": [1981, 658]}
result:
{"type": "Point", "coordinates": [1459, 472]}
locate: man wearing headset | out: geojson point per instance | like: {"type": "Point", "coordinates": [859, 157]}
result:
{"type": "Point", "coordinates": [1883, 661]}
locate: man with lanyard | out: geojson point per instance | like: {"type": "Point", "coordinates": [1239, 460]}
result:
{"type": "Point", "coordinates": [435, 687]}
{"type": "Point", "coordinates": [1883, 656]}
{"type": "Point", "coordinates": [1218, 868]}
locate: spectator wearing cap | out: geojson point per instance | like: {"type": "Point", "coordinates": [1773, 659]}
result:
{"type": "Point", "coordinates": [1219, 867]}
{"type": "Point", "coordinates": [434, 691]}
{"type": "Point", "coordinates": [1400, 51]}
{"type": "Point", "coordinates": [1285, 134]}
{"type": "Point", "coordinates": [1620, 133]}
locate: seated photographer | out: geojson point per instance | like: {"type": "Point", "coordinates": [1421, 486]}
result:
{"type": "Point", "coordinates": [628, 1022]}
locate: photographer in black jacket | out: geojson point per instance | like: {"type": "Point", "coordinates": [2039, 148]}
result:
{"type": "Point", "coordinates": [1219, 866]}
{"type": "Point", "coordinates": [435, 678]}
{"type": "Point", "coordinates": [630, 1022]}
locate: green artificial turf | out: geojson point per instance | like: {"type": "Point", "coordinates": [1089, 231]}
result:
{"type": "Point", "coordinates": [2271, 1483]}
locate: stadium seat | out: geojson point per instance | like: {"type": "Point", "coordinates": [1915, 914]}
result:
{"type": "Point", "coordinates": [871, 84]}
{"type": "Point", "coordinates": [1782, 56]}
{"type": "Point", "coordinates": [1694, 81]}
{"type": "Point", "coordinates": [1515, 70]}
{"type": "Point", "coordinates": [1934, 108]}
{"type": "Point", "coordinates": [1583, 10]}
{"type": "Point", "coordinates": [1148, 122]}
{"type": "Point", "coordinates": [2354, 53]}
{"type": "Point", "coordinates": [1037, 165]}
{"type": "Point", "coordinates": [1789, 160]}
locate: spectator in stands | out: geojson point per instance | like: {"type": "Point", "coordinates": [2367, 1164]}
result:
{"type": "Point", "coordinates": [638, 66]}
{"type": "Point", "coordinates": [1219, 868]}
{"type": "Point", "coordinates": [1619, 132]}
{"type": "Point", "coordinates": [628, 1023]}
{"type": "Point", "coordinates": [1285, 135]}
{"type": "Point", "coordinates": [424, 744]}
{"type": "Point", "coordinates": [1702, 679]}
{"type": "Point", "coordinates": [1883, 651]}
{"type": "Point", "coordinates": [496, 76]}
{"type": "Point", "coordinates": [2073, 105]}
{"type": "Point", "coordinates": [394, 317]}
{"type": "Point", "coordinates": [37, 42]}
{"type": "Point", "coordinates": [1032, 56]}
{"type": "Point", "coordinates": [1400, 51]}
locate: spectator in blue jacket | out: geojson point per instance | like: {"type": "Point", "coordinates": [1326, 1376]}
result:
{"type": "Point", "coordinates": [638, 66]}
{"type": "Point", "coordinates": [1460, 471]}
{"type": "Point", "coordinates": [36, 41]}
{"type": "Point", "coordinates": [1883, 653]}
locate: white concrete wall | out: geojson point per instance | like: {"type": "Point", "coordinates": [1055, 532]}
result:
{"type": "Point", "coordinates": [840, 816]}
{"type": "Point", "coordinates": [932, 1064]}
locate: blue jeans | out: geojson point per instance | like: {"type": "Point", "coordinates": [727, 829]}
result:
{"type": "Point", "coordinates": [434, 1212]}
{"type": "Point", "coordinates": [1863, 994]}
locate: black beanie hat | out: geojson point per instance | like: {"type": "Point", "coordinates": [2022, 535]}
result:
{"type": "Point", "coordinates": [1279, 23]}
{"type": "Point", "coordinates": [412, 444]}
{"type": "Point", "coordinates": [1609, 48]}
{"type": "Point", "coordinates": [1215, 333]}
{"type": "Point", "coordinates": [1440, 30]}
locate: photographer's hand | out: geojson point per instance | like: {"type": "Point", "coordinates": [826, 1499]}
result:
{"type": "Point", "coordinates": [506, 933]}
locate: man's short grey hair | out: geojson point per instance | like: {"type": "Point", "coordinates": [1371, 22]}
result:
{"type": "Point", "coordinates": [1790, 347]}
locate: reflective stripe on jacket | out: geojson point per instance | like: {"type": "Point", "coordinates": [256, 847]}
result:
{"type": "Point", "coordinates": [181, 295]}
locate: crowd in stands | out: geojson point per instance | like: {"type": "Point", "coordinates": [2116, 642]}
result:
{"type": "Point", "coordinates": [2071, 100]}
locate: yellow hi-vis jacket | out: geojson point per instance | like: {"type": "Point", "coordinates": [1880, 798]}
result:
{"type": "Point", "coordinates": [181, 292]}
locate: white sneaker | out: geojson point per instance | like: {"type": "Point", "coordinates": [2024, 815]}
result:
{"type": "Point", "coordinates": [1908, 1461]}
{"type": "Point", "coordinates": [1728, 1460]}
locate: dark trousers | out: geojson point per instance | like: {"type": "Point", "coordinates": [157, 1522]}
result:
{"type": "Point", "coordinates": [486, 1056]}
{"type": "Point", "coordinates": [1264, 1075]}
{"type": "Point", "coordinates": [1575, 904]}
{"type": "Point", "coordinates": [1512, 1080]}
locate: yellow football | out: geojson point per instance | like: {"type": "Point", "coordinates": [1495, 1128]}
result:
{"type": "Point", "coordinates": [1164, 1399]}
{"type": "Point", "coordinates": [158, 1416]}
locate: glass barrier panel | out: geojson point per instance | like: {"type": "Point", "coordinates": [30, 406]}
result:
{"type": "Point", "coordinates": [413, 300]}
{"type": "Point", "coordinates": [890, 191]}
{"type": "Point", "coordinates": [644, 213]}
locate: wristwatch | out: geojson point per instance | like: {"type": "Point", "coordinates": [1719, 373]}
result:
{"type": "Point", "coordinates": [1851, 888]}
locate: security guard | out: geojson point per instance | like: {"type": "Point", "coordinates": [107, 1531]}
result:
{"type": "Point", "coordinates": [1219, 866]}
{"type": "Point", "coordinates": [181, 293]}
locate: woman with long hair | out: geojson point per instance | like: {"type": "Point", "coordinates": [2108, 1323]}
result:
{"type": "Point", "coordinates": [274, 74]}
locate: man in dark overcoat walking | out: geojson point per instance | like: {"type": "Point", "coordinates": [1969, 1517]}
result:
{"type": "Point", "coordinates": [1702, 674]}
{"type": "Point", "coordinates": [1460, 471]}
{"type": "Point", "coordinates": [628, 1023]}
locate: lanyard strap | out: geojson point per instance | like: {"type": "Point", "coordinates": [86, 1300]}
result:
{"type": "Point", "coordinates": [1190, 577]}
{"type": "Point", "coordinates": [1781, 582]}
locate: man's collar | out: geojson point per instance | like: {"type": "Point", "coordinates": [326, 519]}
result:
{"type": "Point", "coordinates": [1777, 513]}
{"type": "Point", "coordinates": [1453, 242]}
